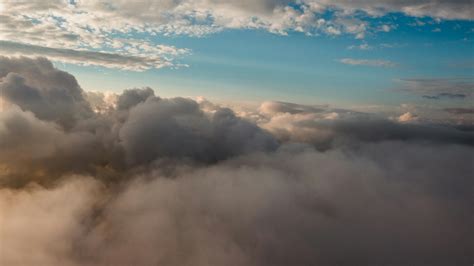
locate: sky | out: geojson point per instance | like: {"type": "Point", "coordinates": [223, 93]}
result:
{"type": "Point", "coordinates": [345, 53]}
{"type": "Point", "coordinates": [236, 132]}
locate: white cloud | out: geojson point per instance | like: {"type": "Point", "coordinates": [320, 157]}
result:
{"type": "Point", "coordinates": [407, 117]}
{"type": "Point", "coordinates": [367, 62]}
{"type": "Point", "coordinates": [103, 25]}
{"type": "Point", "coordinates": [363, 46]}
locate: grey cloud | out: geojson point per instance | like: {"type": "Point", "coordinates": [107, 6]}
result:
{"type": "Point", "coordinates": [35, 85]}
{"type": "Point", "coordinates": [179, 128]}
{"type": "Point", "coordinates": [459, 9]}
{"type": "Point", "coordinates": [272, 108]}
{"type": "Point", "coordinates": [132, 97]}
{"type": "Point", "coordinates": [441, 88]}
{"type": "Point", "coordinates": [141, 128]}
{"type": "Point", "coordinates": [445, 95]}
{"type": "Point", "coordinates": [384, 204]}
{"type": "Point", "coordinates": [84, 57]}
{"type": "Point", "coordinates": [354, 129]}
{"type": "Point", "coordinates": [161, 181]}
{"type": "Point", "coordinates": [459, 110]}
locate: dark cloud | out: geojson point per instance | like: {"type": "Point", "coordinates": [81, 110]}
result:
{"type": "Point", "coordinates": [460, 110]}
{"type": "Point", "coordinates": [155, 181]}
{"type": "Point", "coordinates": [84, 57]}
{"type": "Point", "coordinates": [131, 97]}
{"type": "Point", "coordinates": [440, 88]}
{"type": "Point", "coordinates": [386, 204]}
{"type": "Point", "coordinates": [179, 128]}
{"type": "Point", "coordinates": [445, 95]}
{"type": "Point", "coordinates": [37, 86]}
{"type": "Point", "coordinates": [284, 107]}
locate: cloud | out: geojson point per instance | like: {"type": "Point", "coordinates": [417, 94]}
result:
{"type": "Point", "coordinates": [407, 117]}
{"type": "Point", "coordinates": [179, 128]}
{"type": "Point", "coordinates": [84, 57]}
{"type": "Point", "coordinates": [459, 110]}
{"type": "Point", "coordinates": [367, 62]}
{"type": "Point", "coordinates": [363, 46]}
{"type": "Point", "coordinates": [440, 88]}
{"type": "Point", "coordinates": [84, 32]}
{"type": "Point", "coordinates": [36, 86]}
{"type": "Point", "coordinates": [397, 200]}
{"type": "Point", "coordinates": [173, 181]}
{"type": "Point", "coordinates": [445, 95]}
{"type": "Point", "coordinates": [273, 108]}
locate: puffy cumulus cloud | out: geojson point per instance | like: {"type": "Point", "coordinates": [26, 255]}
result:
{"type": "Point", "coordinates": [132, 97]}
{"type": "Point", "coordinates": [179, 128]}
{"type": "Point", "coordinates": [85, 32]}
{"type": "Point", "coordinates": [37, 86]}
{"type": "Point", "coordinates": [146, 180]}
{"type": "Point", "coordinates": [407, 117]}
{"type": "Point", "coordinates": [135, 127]}
{"type": "Point", "coordinates": [22, 136]}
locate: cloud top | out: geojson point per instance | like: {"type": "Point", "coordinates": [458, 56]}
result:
{"type": "Point", "coordinates": [141, 180]}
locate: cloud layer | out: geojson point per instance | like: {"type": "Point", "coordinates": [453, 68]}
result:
{"type": "Point", "coordinates": [135, 179]}
{"type": "Point", "coordinates": [101, 32]}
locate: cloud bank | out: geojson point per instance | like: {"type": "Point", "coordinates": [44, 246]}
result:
{"type": "Point", "coordinates": [137, 179]}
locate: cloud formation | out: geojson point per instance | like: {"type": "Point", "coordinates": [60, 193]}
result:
{"type": "Point", "coordinates": [137, 179]}
{"type": "Point", "coordinates": [90, 30]}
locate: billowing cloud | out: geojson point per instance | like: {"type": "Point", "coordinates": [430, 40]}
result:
{"type": "Point", "coordinates": [36, 85]}
{"type": "Point", "coordinates": [137, 179]}
{"type": "Point", "coordinates": [296, 206]}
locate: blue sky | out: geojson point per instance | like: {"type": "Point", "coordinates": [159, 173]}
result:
{"type": "Point", "coordinates": [345, 54]}
{"type": "Point", "coordinates": [258, 65]}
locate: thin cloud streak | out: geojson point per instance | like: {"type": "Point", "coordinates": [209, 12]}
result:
{"type": "Point", "coordinates": [367, 62]}
{"type": "Point", "coordinates": [85, 57]}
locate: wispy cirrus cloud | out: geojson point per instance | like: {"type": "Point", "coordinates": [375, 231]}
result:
{"type": "Point", "coordinates": [367, 62]}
